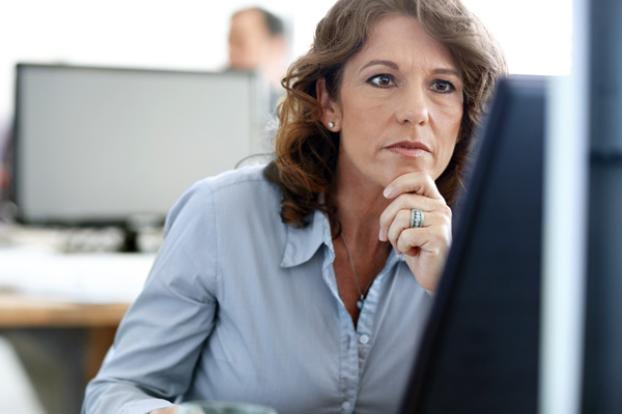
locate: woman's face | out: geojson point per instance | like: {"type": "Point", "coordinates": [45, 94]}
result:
{"type": "Point", "coordinates": [400, 104]}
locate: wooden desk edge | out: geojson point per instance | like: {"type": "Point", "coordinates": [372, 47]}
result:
{"type": "Point", "coordinates": [26, 311]}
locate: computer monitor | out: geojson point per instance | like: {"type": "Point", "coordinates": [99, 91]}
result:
{"type": "Point", "coordinates": [480, 350]}
{"type": "Point", "coordinates": [101, 146]}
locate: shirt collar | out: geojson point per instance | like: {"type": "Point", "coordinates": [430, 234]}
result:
{"type": "Point", "coordinates": [302, 243]}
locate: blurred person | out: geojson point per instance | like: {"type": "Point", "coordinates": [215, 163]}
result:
{"type": "Point", "coordinates": [305, 284]}
{"type": "Point", "coordinates": [257, 42]}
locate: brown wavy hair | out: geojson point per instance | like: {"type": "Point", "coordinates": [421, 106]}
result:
{"type": "Point", "coordinates": [306, 152]}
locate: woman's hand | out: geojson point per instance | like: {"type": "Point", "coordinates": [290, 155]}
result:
{"type": "Point", "coordinates": [167, 410]}
{"type": "Point", "coordinates": [424, 248]}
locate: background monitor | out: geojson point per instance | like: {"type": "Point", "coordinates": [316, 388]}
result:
{"type": "Point", "coordinates": [103, 145]}
{"type": "Point", "coordinates": [480, 350]}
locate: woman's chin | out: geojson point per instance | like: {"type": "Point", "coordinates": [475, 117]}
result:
{"type": "Point", "coordinates": [406, 169]}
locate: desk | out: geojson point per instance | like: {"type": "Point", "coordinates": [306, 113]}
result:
{"type": "Point", "coordinates": [61, 311]}
{"type": "Point", "coordinates": [42, 288]}
{"type": "Point", "coordinates": [88, 278]}
{"type": "Point", "coordinates": [99, 321]}
{"type": "Point", "coordinates": [17, 310]}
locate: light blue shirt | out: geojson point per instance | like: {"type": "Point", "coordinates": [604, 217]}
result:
{"type": "Point", "coordinates": [242, 307]}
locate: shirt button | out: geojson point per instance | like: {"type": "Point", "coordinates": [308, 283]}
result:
{"type": "Point", "coordinates": [346, 406]}
{"type": "Point", "coordinates": [364, 339]}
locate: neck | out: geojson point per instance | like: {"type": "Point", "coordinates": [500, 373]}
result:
{"type": "Point", "coordinates": [359, 206]}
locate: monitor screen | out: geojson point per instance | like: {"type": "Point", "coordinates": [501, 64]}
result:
{"type": "Point", "coordinates": [101, 145]}
{"type": "Point", "coordinates": [480, 350]}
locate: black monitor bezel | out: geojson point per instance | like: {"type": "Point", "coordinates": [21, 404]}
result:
{"type": "Point", "coordinates": [467, 207]}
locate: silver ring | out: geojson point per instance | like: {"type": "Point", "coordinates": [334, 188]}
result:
{"type": "Point", "coordinates": [416, 218]}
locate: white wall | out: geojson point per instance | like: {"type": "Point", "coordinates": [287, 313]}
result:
{"type": "Point", "coordinates": [191, 34]}
{"type": "Point", "coordinates": [536, 35]}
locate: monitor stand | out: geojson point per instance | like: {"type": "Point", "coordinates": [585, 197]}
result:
{"type": "Point", "coordinates": [130, 240]}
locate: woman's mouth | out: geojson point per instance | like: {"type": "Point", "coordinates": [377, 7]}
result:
{"type": "Point", "coordinates": [409, 149]}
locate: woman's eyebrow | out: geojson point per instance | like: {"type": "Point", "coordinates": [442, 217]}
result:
{"type": "Point", "coordinates": [388, 63]}
{"type": "Point", "coordinates": [395, 66]}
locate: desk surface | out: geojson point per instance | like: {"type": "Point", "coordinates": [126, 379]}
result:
{"type": "Point", "coordinates": [18, 310]}
{"type": "Point", "coordinates": [42, 287]}
{"type": "Point", "coordinates": [89, 278]}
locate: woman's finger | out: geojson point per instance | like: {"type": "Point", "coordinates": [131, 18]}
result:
{"type": "Point", "coordinates": [402, 222]}
{"type": "Point", "coordinates": [407, 202]}
{"type": "Point", "coordinates": [413, 182]}
{"type": "Point", "coordinates": [429, 240]}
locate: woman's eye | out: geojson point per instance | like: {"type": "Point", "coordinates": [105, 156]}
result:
{"type": "Point", "coordinates": [382, 81]}
{"type": "Point", "coordinates": [443, 86]}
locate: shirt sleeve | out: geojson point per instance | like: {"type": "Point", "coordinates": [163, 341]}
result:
{"type": "Point", "coordinates": [160, 338]}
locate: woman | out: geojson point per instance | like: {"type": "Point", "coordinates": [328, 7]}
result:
{"type": "Point", "coordinates": [305, 286]}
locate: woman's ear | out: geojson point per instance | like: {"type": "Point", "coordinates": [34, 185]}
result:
{"type": "Point", "coordinates": [331, 111]}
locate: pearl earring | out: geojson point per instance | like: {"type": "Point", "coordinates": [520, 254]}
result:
{"type": "Point", "coordinates": [331, 124]}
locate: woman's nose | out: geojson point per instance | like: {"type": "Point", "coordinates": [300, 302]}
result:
{"type": "Point", "coordinates": [413, 107]}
